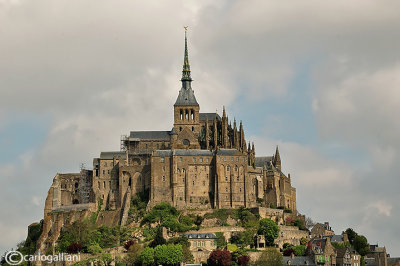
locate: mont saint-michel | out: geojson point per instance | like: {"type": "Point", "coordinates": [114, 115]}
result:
{"type": "Point", "coordinates": [195, 193]}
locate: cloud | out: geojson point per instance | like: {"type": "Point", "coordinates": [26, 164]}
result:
{"type": "Point", "coordinates": [97, 70]}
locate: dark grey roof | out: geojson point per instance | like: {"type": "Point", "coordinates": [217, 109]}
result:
{"type": "Point", "coordinates": [186, 97]}
{"type": "Point", "coordinates": [336, 238]}
{"type": "Point", "coordinates": [227, 152]}
{"type": "Point", "coordinates": [393, 261]}
{"type": "Point", "coordinates": [150, 135]}
{"type": "Point", "coordinates": [184, 153]}
{"type": "Point", "coordinates": [298, 261]}
{"type": "Point", "coordinates": [109, 155]}
{"type": "Point", "coordinates": [201, 236]}
{"type": "Point", "coordinates": [261, 161]}
{"type": "Point", "coordinates": [370, 262]}
{"type": "Point", "coordinates": [210, 116]}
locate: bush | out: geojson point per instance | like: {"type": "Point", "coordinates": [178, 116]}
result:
{"type": "Point", "coordinates": [160, 213]}
{"type": "Point", "coordinates": [269, 229]}
{"type": "Point", "coordinates": [74, 248]}
{"type": "Point", "coordinates": [299, 250]}
{"type": "Point", "coordinates": [106, 258]}
{"type": "Point", "coordinates": [243, 260]}
{"type": "Point", "coordinates": [95, 249]}
{"type": "Point", "coordinates": [288, 252]}
{"type": "Point", "coordinates": [128, 244]}
{"type": "Point", "coordinates": [270, 257]}
{"type": "Point", "coordinates": [219, 258]}
{"type": "Point", "coordinates": [147, 256]}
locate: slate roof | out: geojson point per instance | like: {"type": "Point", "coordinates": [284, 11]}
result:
{"type": "Point", "coordinates": [227, 152]}
{"type": "Point", "coordinates": [150, 135]}
{"type": "Point", "coordinates": [370, 262]}
{"type": "Point", "coordinates": [336, 238]}
{"type": "Point", "coordinates": [261, 161]}
{"type": "Point", "coordinates": [180, 152]}
{"type": "Point", "coordinates": [109, 155]}
{"type": "Point", "coordinates": [298, 261]}
{"type": "Point", "coordinates": [186, 97]}
{"type": "Point", "coordinates": [210, 116]}
{"type": "Point", "coordinates": [201, 236]}
{"type": "Point", "coordinates": [393, 261]}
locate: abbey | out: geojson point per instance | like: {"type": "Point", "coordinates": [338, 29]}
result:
{"type": "Point", "coordinates": [202, 162]}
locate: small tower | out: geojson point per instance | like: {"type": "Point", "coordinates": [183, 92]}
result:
{"type": "Point", "coordinates": [186, 108]}
{"type": "Point", "coordinates": [277, 159]}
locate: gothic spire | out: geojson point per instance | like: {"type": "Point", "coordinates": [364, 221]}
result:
{"type": "Point", "coordinates": [186, 94]}
{"type": "Point", "coordinates": [186, 66]}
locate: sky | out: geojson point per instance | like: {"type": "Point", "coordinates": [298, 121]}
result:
{"type": "Point", "coordinates": [321, 79]}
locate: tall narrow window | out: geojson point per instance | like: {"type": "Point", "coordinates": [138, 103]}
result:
{"type": "Point", "coordinates": [181, 114]}
{"type": "Point", "coordinates": [192, 115]}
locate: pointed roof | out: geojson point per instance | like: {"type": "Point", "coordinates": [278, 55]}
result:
{"type": "Point", "coordinates": [186, 94]}
{"type": "Point", "coordinates": [277, 156]}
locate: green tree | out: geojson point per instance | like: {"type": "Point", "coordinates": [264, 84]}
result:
{"type": "Point", "coordinates": [299, 250]}
{"type": "Point", "coordinates": [147, 256]}
{"type": "Point", "coordinates": [221, 240]}
{"type": "Point", "coordinates": [158, 238]}
{"type": "Point", "coordinates": [361, 245]}
{"type": "Point", "coordinates": [134, 252]}
{"type": "Point", "coordinates": [269, 229]}
{"type": "Point", "coordinates": [351, 234]}
{"type": "Point", "coordinates": [270, 256]}
{"type": "Point", "coordinates": [168, 254]}
{"type": "Point", "coordinates": [160, 213]}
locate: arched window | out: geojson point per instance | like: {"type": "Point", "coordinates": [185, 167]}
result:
{"type": "Point", "coordinates": [186, 114]}
{"type": "Point", "coordinates": [130, 181]}
{"type": "Point", "coordinates": [181, 115]}
{"type": "Point", "coordinates": [75, 201]}
{"type": "Point", "coordinates": [192, 114]}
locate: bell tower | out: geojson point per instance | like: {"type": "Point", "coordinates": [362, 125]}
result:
{"type": "Point", "coordinates": [186, 108]}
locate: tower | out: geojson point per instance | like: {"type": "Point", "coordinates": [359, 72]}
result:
{"type": "Point", "coordinates": [186, 109]}
{"type": "Point", "coordinates": [277, 159]}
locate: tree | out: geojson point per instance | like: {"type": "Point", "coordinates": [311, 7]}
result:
{"type": "Point", "coordinates": [309, 223]}
{"type": "Point", "coordinates": [219, 258]}
{"type": "Point", "coordinates": [221, 241]}
{"type": "Point", "coordinates": [270, 256]}
{"type": "Point", "coordinates": [158, 238]}
{"type": "Point", "coordinates": [160, 213]}
{"type": "Point", "coordinates": [351, 234]}
{"type": "Point", "coordinates": [361, 245]}
{"type": "Point", "coordinates": [269, 229]}
{"type": "Point", "coordinates": [299, 250]}
{"type": "Point", "coordinates": [134, 252]}
{"type": "Point", "coordinates": [168, 254]}
{"type": "Point", "coordinates": [147, 256]}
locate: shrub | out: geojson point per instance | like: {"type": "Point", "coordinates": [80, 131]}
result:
{"type": "Point", "coordinates": [219, 258]}
{"type": "Point", "coordinates": [300, 250]}
{"type": "Point", "coordinates": [128, 244]}
{"type": "Point", "coordinates": [243, 260]}
{"type": "Point", "coordinates": [106, 258]}
{"type": "Point", "coordinates": [74, 248]}
{"type": "Point", "coordinates": [95, 249]}
{"type": "Point", "coordinates": [288, 252]}
{"type": "Point", "coordinates": [147, 256]}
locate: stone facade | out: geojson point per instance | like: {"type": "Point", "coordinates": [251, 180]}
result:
{"type": "Point", "coordinates": [203, 162]}
{"type": "Point", "coordinates": [320, 230]}
{"type": "Point", "coordinates": [322, 251]}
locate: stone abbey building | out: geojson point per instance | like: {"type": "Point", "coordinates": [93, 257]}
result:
{"type": "Point", "coordinates": [202, 162]}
